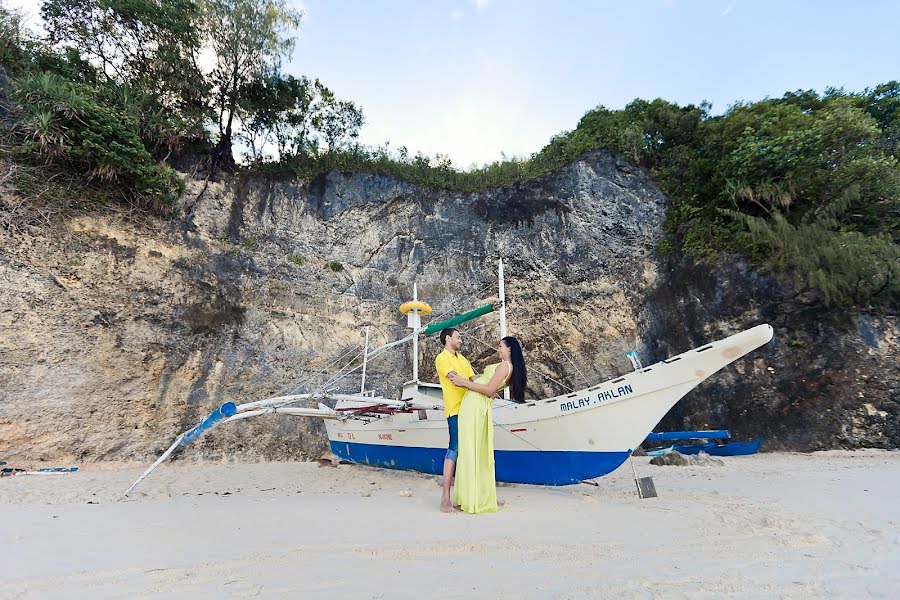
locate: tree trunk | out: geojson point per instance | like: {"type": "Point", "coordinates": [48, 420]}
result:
{"type": "Point", "coordinates": [222, 156]}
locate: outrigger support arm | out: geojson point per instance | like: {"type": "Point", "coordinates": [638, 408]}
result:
{"type": "Point", "coordinates": [278, 401]}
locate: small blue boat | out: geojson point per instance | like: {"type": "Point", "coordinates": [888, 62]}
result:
{"type": "Point", "coordinates": [726, 449]}
{"type": "Point", "coordinates": [709, 434]}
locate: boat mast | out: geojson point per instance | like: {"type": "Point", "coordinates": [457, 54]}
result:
{"type": "Point", "coordinates": [362, 386]}
{"type": "Point", "coordinates": [502, 295]}
{"type": "Point", "coordinates": [415, 324]}
{"type": "Point", "coordinates": [414, 311]}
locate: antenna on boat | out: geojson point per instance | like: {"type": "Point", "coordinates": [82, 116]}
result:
{"type": "Point", "coordinates": [414, 312]}
{"type": "Point", "coordinates": [502, 296]}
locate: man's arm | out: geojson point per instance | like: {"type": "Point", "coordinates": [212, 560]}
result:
{"type": "Point", "coordinates": [442, 365]}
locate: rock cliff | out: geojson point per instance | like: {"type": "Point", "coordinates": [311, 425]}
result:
{"type": "Point", "coordinates": [116, 336]}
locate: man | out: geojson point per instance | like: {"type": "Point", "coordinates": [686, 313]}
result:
{"type": "Point", "coordinates": [450, 360]}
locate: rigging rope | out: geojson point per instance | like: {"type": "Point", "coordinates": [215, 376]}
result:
{"type": "Point", "coordinates": [436, 318]}
{"type": "Point", "coordinates": [588, 383]}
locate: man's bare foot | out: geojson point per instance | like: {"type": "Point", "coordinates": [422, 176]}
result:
{"type": "Point", "coordinates": [449, 508]}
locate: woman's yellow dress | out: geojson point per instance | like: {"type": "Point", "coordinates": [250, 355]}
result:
{"type": "Point", "coordinates": [475, 490]}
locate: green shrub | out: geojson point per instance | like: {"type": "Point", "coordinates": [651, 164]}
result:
{"type": "Point", "coordinates": [61, 124]}
{"type": "Point", "coordinates": [698, 241]}
{"type": "Point", "coordinates": [847, 267]}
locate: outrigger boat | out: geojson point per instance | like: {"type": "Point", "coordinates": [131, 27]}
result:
{"type": "Point", "coordinates": [558, 440]}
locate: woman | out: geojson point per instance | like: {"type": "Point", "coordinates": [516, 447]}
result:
{"type": "Point", "coordinates": [476, 485]}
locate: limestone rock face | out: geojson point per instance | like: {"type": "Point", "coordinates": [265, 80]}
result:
{"type": "Point", "coordinates": [115, 336]}
{"type": "Point", "coordinates": [828, 379]}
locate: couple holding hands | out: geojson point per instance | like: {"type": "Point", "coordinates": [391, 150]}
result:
{"type": "Point", "coordinates": [467, 406]}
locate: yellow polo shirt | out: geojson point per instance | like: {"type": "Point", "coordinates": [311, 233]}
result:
{"type": "Point", "coordinates": [444, 363]}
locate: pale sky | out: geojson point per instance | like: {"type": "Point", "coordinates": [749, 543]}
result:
{"type": "Point", "coordinates": [474, 78]}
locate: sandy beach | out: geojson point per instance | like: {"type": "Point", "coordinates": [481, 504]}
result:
{"type": "Point", "coordinates": [765, 526]}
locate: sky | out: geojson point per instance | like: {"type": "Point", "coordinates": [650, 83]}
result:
{"type": "Point", "coordinates": [481, 79]}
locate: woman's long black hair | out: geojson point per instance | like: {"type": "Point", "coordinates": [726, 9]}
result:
{"type": "Point", "coordinates": [520, 374]}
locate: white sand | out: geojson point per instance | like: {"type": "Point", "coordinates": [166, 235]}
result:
{"type": "Point", "coordinates": [765, 526]}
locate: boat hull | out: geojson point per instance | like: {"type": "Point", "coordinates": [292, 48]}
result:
{"type": "Point", "coordinates": [512, 466]}
{"type": "Point", "coordinates": [553, 441]}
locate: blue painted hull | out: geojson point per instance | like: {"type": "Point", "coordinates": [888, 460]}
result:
{"type": "Point", "coordinates": [512, 466]}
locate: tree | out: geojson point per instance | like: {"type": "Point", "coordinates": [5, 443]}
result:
{"type": "Point", "coordinates": [145, 54]}
{"type": "Point", "coordinates": [13, 40]}
{"type": "Point", "coordinates": [249, 39]}
{"type": "Point", "coordinates": [291, 113]}
{"type": "Point", "coordinates": [338, 120]}
{"type": "Point", "coordinates": [278, 110]}
{"type": "Point", "coordinates": [652, 128]}
{"type": "Point", "coordinates": [883, 103]}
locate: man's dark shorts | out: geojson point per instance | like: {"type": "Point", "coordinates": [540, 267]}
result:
{"type": "Point", "coordinates": [453, 448]}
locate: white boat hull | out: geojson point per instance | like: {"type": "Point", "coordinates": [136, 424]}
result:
{"type": "Point", "coordinates": [552, 441]}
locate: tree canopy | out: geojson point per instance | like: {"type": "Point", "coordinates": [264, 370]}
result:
{"type": "Point", "coordinates": [119, 89]}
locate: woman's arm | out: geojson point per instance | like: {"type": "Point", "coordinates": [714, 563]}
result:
{"type": "Point", "coordinates": [489, 389]}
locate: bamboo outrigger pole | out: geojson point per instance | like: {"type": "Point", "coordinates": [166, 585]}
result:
{"type": "Point", "coordinates": [215, 418]}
